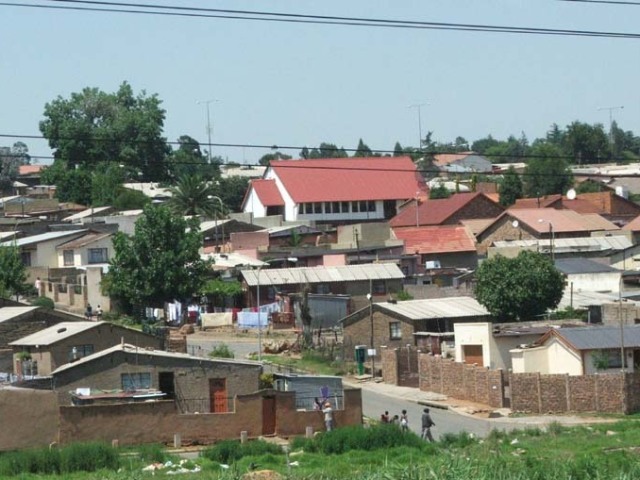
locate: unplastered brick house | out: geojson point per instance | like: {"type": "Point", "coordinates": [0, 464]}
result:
{"type": "Point", "coordinates": [334, 190]}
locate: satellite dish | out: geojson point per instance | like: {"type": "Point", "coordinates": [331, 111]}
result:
{"type": "Point", "coordinates": [515, 223]}
{"type": "Point", "coordinates": [571, 194]}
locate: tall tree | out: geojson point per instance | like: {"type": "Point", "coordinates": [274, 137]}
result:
{"type": "Point", "coordinates": [159, 262]}
{"type": "Point", "coordinates": [521, 288]}
{"type": "Point", "coordinates": [11, 158]}
{"type": "Point", "coordinates": [93, 126]}
{"type": "Point", "coordinates": [13, 274]}
{"type": "Point", "coordinates": [586, 143]}
{"type": "Point", "coordinates": [363, 150]}
{"type": "Point", "coordinates": [193, 195]}
{"type": "Point", "coordinates": [510, 187]}
{"type": "Point", "coordinates": [547, 173]}
{"type": "Point", "coordinates": [398, 151]}
{"type": "Point", "coordinates": [188, 159]}
{"type": "Point", "coordinates": [269, 157]}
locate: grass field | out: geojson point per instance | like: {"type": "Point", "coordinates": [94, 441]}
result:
{"type": "Point", "coordinates": [605, 451]}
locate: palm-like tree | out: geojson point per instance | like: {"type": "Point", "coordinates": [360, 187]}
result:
{"type": "Point", "coordinates": [192, 195]}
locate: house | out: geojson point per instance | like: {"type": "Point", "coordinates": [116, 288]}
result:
{"type": "Point", "coordinates": [39, 251]}
{"type": "Point", "coordinates": [413, 322]}
{"type": "Point", "coordinates": [581, 351]}
{"type": "Point", "coordinates": [334, 190]}
{"type": "Point", "coordinates": [617, 248]}
{"type": "Point", "coordinates": [125, 372]}
{"type": "Point", "coordinates": [584, 274]}
{"type": "Point", "coordinates": [634, 227]}
{"type": "Point", "coordinates": [89, 215]}
{"type": "Point", "coordinates": [92, 248]}
{"type": "Point", "coordinates": [30, 174]}
{"type": "Point", "coordinates": [463, 162]}
{"type": "Point", "coordinates": [125, 220]}
{"type": "Point", "coordinates": [447, 211]}
{"type": "Point", "coordinates": [542, 223]}
{"type": "Point", "coordinates": [216, 233]}
{"type": "Point", "coordinates": [442, 246]}
{"type": "Point", "coordinates": [70, 341]}
{"type": "Point", "coordinates": [487, 344]}
{"type": "Point", "coordinates": [379, 279]}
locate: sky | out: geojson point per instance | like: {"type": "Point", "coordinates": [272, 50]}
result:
{"type": "Point", "coordinates": [301, 84]}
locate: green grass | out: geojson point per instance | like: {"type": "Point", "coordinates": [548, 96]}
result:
{"type": "Point", "coordinates": [310, 361]}
{"type": "Point", "coordinates": [382, 452]}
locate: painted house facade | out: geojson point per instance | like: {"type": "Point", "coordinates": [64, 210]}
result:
{"type": "Point", "coordinates": [335, 190]}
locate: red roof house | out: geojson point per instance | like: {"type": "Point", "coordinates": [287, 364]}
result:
{"type": "Point", "coordinates": [336, 189]}
{"type": "Point", "coordinates": [447, 211]}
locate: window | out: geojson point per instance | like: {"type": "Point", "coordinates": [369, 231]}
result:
{"type": "Point", "coordinates": [67, 258]}
{"type": "Point", "coordinates": [379, 287]}
{"type": "Point", "coordinates": [327, 207]}
{"type": "Point", "coordinates": [345, 207]}
{"type": "Point", "coordinates": [308, 208]}
{"type": "Point", "coordinates": [612, 358]}
{"type": "Point", "coordinates": [335, 207]}
{"type": "Point", "coordinates": [98, 255]}
{"type": "Point", "coordinates": [371, 205]}
{"type": "Point", "coordinates": [78, 351]}
{"type": "Point", "coordinates": [354, 207]}
{"type": "Point", "coordinates": [317, 207]}
{"type": "Point", "coordinates": [395, 333]}
{"type": "Point", "coordinates": [363, 205]}
{"type": "Point", "coordinates": [26, 258]}
{"type": "Point", "coordinates": [323, 288]}
{"type": "Point", "coordinates": [135, 381]}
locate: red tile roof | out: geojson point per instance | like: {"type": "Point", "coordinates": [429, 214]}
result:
{"type": "Point", "coordinates": [563, 221]}
{"type": "Point", "coordinates": [440, 239]}
{"type": "Point", "coordinates": [268, 193]}
{"type": "Point", "coordinates": [349, 179]}
{"type": "Point", "coordinates": [29, 169]}
{"type": "Point", "coordinates": [633, 225]}
{"type": "Point", "coordinates": [433, 212]}
{"type": "Point", "coordinates": [540, 202]}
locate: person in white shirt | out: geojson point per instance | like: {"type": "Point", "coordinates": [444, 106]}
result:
{"type": "Point", "coordinates": [328, 416]}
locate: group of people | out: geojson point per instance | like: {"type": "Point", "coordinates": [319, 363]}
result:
{"type": "Point", "coordinates": [89, 313]}
{"type": "Point", "coordinates": [402, 421]}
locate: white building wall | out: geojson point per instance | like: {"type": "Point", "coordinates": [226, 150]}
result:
{"type": "Point", "coordinates": [290, 207]}
{"type": "Point", "coordinates": [589, 368]}
{"type": "Point", "coordinates": [594, 282]}
{"type": "Point", "coordinates": [552, 358]}
{"type": "Point", "coordinates": [46, 254]}
{"type": "Point", "coordinates": [473, 334]}
{"type": "Point", "coordinates": [254, 205]}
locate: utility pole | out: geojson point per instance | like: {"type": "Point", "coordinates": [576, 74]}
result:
{"type": "Point", "coordinates": [418, 106]}
{"type": "Point", "coordinates": [209, 127]}
{"type": "Point", "coordinates": [611, 109]}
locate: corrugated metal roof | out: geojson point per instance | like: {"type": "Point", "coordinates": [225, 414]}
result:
{"type": "Point", "coordinates": [83, 240]}
{"type": "Point", "coordinates": [436, 239]}
{"type": "Point", "coordinates": [155, 353]}
{"type": "Point", "coordinates": [58, 332]}
{"type": "Point", "coordinates": [268, 192]}
{"type": "Point", "coordinates": [570, 266]}
{"type": "Point", "coordinates": [600, 337]}
{"type": "Point", "coordinates": [588, 244]}
{"type": "Point", "coordinates": [43, 237]}
{"type": "Point", "coordinates": [342, 273]}
{"type": "Point", "coordinates": [7, 313]}
{"type": "Point", "coordinates": [230, 260]}
{"type": "Point", "coordinates": [450, 307]}
{"type": "Point", "coordinates": [89, 212]}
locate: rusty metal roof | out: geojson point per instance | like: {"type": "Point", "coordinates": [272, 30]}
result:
{"type": "Point", "coordinates": [341, 273]}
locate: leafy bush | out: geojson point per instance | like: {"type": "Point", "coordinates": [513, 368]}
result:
{"type": "Point", "coordinates": [221, 351]}
{"type": "Point", "coordinates": [152, 453]}
{"type": "Point", "coordinates": [459, 440]}
{"type": "Point", "coordinates": [229, 451]}
{"type": "Point", "coordinates": [266, 380]}
{"type": "Point", "coordinates": [404, 295]}
{"type": "Point", "coordinates": [44, 302]}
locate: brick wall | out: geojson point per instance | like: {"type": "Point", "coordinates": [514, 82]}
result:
{"type": "Point", "coordinates": [421, 292]}
{"type": "Point", "coordinates": [613, 312]}
{"type": "Point", "coordinates": [359, 332]}
{"type": "Point", "coordinates": [29, 418]}
{"type": "Point", "coordinates": [464, 382]}
{"type": "Point", "coordinates": [480, 207]}
{"type": "Point", "coordinates": [610, 393]}
{"type": "Point", "coordinates": [400, 366]}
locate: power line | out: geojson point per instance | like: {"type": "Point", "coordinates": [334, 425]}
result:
{"type": "Point", "coordinates": [131, 8]}
{"type": "Point", "coordinates": [300, 148]}
{"type": "Point", "coordinates": [605, 2]}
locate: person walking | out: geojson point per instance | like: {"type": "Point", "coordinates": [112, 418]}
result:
{"type": "Point", "coordinates": [328, 416]}
{"type": "Point", "coordinates": [404, 421]}
{"type": "Point", "coordinates": [427, 423]}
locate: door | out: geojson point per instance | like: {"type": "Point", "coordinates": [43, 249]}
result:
{"type": "Point", "coordinates": [473, 354]}
{"type": "Point", "coordinates": [166, 385]}
{"type": "Point", "coordinates": [218, 395]}
{"type": "Point", "coordinates": [389, 207]}
{"type": "Point", "coordinates": [268, 415]}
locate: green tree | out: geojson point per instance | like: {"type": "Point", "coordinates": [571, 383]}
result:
{"type": "Point", "coordinates": [521, 288]}
{"type": "Point", "coordinates": [325, 150]}
{"type": "Point", "coordinates": [106, 184]}
{"type": "Point", "coordinates": [231, 190]}
{"type": "Point", "coordinates": [93, 126]}
{"type": "Point", "coordinates": [159, 262]}
{"type": "Point", "coordinates": [398, 151]}
{"type": "Point", "coordinates": [512, 150]}
{"type": "Point", "coordinates": [586, 143]}
{"type": "Point", "coordinates": [193, 195]}
{"type": "Point", "coordinates": [363, 150]}
{"type": "Point", "coordinates": [482, 145]}
{"type": "Point", "coordinates": [72, 185]}
{"type": "Point", "coordinates": [13, 273]}
{"type": "Point", "coordinates": [269, 157]}
{"type": "Point", "coordinates": [188, 159]}
{"type": "Point", "coordinates": [510, 187]}
{"type": "Point", "coordinates": [547, 173]}
{"type": "Point", "coordinates": [10, 160]}
{"type": "Point", "coordinates": [440, 191]}
{"type": "Point", "coordinates": [129, 199]}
